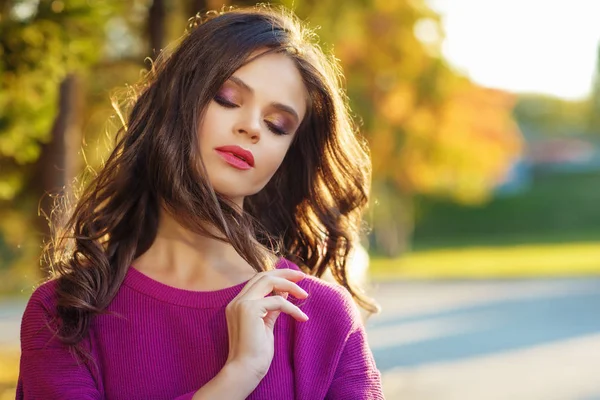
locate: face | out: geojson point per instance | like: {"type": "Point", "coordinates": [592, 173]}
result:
{"type": "Point", "coordinates": [250, 124]}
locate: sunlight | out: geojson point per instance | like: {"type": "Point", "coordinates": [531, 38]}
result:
{"type": "Point", "coordinates": [533, 46]}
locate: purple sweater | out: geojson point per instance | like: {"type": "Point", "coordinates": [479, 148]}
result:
{"type": "Point", "coordinates": [169, 342]}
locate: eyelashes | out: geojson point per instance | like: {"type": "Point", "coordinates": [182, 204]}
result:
{"type": "Point", "coordinates": [272, 127]}
{"type": "Point", "coordinates": [275, 129]}
{"type": "Point", "coordinates": [225, 103]}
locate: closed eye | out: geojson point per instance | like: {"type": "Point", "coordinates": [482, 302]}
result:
{"type": "Point", "coordinates": [275, 129]}
{"type": "Point", "coordinates": [272, 127]}
{"type": "Point", "coordinates": [225, 103]}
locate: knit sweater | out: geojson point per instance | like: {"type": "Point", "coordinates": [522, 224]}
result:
{"type": "Point", "coordinates": [161, 342]}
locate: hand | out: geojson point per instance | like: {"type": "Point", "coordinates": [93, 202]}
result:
{"type": "Point", "coordinates": [251, 318]}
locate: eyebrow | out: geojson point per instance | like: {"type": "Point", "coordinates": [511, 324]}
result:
{"type": "Point", "coordinates": [279, 106]}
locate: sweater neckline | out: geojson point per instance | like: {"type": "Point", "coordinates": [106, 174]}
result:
{"type": "Point", "coordinates": [142, 283]}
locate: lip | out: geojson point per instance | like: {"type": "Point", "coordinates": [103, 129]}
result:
{"type": "Point", "coordinates": [236, 156]}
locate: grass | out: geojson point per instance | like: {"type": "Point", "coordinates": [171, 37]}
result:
{"type": "Point", "coordinates": [9, 371]}
{"type": "Point", "coordinates": [550, 230]}
{"type": "Point", "coordinates": [518, 261]}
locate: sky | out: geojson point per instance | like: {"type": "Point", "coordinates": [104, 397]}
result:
{"type": "Point", "coordinates": [524, 46]}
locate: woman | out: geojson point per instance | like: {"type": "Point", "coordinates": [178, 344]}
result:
{"type": "Point", "coordinates": [238, 163]}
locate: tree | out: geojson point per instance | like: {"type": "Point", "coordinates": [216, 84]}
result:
{"type": "Point", "coordinates": [431, 131]}
{"type": "Point", "coordinates": [45, 49]}
{"type": "Point", "coordinates": [594, 110]}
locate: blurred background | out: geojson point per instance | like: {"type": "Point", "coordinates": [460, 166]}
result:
{"type": "Point", "coordinates": [484, 125]}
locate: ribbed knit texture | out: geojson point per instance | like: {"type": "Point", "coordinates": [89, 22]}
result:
{"type": "Point", "coordinates": [160, 342]}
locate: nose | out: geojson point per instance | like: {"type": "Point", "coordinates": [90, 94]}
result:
{"type": "Point", "coordinates": [249, 124]}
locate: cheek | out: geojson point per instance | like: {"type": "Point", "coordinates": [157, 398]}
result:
{"type": "Point", "coordinates": [211, 123]}
{"type": "Point", "coordinates": [278, 153]}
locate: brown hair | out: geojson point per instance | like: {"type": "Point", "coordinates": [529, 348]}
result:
{"type": "Point", "coordinates": [312, 206]}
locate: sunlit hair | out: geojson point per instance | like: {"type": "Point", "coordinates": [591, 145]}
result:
{"type": "Point", "coordinates": [309, 212]}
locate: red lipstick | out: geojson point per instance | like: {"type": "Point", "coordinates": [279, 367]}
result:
{"type": "Point", "coordinates": [236, 156]}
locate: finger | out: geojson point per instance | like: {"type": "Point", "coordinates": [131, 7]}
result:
{"type": "Point", "coordinates": [282, 294]}
{"type": "Point", "coordinates": [271, 318]}
{"type": "Point", "coordinates": [278, 303]}
{"type": "Point", "coordinates": [269, 284]}
{"type": "Point", "coordinates": [289, 274]}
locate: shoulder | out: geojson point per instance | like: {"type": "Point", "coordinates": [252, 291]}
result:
{"type": "Point", "coordinates": [45, 292]}
{"type": "Point", "coordinates": [327, 303]}
{"type": "Point", "coordinates": [43, 298]}
{"type": "Point", "coordinates": [39, 322]}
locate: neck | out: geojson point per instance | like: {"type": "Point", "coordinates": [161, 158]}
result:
{"type": "Point", "coordinates": [182, 258]}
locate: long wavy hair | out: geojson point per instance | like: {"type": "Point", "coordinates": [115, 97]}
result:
{"type": "Point", "coordinates": [311, 207]}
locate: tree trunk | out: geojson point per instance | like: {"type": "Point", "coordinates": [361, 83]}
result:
{"type": "Point", "coordinates": [393, 221]}
{"type": "Point", "coordinates": [156, 26]}
{"type": "Point", "coordinates": [59, 162]}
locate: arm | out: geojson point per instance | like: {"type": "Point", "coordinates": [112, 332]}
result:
{"type": "Point", "coordinates": [356, 375]}
{"type": "Point", "coordinates": [48, 369]}
{"type": "Point", "coordinates": [230, 383]}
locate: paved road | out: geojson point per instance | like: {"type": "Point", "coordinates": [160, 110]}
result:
{"type": "Point", "coordinates": [10, 321]}
{"type": "Point", "coordinates": [536, 339]}
{"type": "Point", "coordinates": [530, 340]}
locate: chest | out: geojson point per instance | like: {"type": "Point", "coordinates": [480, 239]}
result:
{"type": "Point", "coordinates": [170, 353]}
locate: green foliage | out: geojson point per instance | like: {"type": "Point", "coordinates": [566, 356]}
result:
{"type": "Point", "coordinates": [557, 208]}
{"type": "Point", "coordinates": [7, 253]}
{"type": "Point", "coordinates": [549, 116]}
{"type": "Point", "coordinates": [40, 42]}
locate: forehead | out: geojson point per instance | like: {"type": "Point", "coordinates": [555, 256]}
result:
{"type": "Point", "coordinates": [275, 77]}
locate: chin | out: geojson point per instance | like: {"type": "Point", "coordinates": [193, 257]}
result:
{"type": "Point", "coordinates": [233, 190]}
{"type": "Point", "coordinates": [235, 196]}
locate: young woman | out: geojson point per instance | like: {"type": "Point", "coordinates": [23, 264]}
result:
{"type": "Point", "coordinates": [189, 268]}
